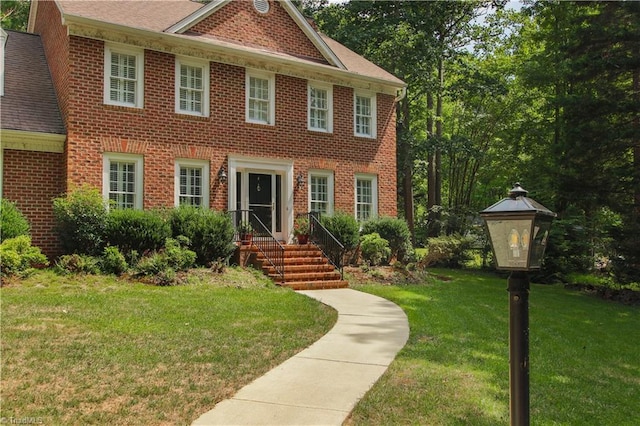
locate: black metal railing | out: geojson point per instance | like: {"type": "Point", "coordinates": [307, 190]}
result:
{"type": "Point", "coordinates": [331, 248]}
{"type": "Point", "coordinates": [247, 223]}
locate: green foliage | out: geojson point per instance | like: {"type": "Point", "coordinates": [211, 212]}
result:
{"type": "Point", "coordinates": [78, 264]}
{"type": "Point", "coordinates": [19, 257]}
{"type": "Point", "coordinates": [113, 261]}
{"type": "Point", "coordinates": [211, 233]}
{"type": "Point", "coordinates": [344, 227]}
{"type": "Point", "coordinates": [450, 251]}
{"type": "Point", "coordinates": [81, 218]}
{"type": "Point", "coordinates": [162, 265]}
{"type": "Point", "coordinates": [12, 221]}
{"type": "Point", "coordinates": [374, 249]}
{"type": "Point", "coordinates": [14, 14]}
{"type": "Point", "coordinates": [395, 231]}
{"type": "Point", "coordinates": [139, 230]}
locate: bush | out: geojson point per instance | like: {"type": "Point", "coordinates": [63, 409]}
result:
{"type": "Point", "coordinates": [12, 223]}
{"type": "Point", "coordinates": [113, 261]}
{"type": "Point", "coordinates": [374, 249]}
{"type": "Point", "coordinates": [78, 264]}
{"type": "Point", "coordinates": [19, 257]}
{"type": "Point", "coordinates": [450, 251]}
{"type": "Point", "coordinates": [139, 230]}
{"type": "Point", "coordinates": [211, 233]}
{"type": "Point", "coordinates": [81, 218]}
{"type": "Point", "coordinates": [344, 227]}
{"type": "Point", "coordinates": [162, 265]}
{"type": "Point", "coordinates": [396, 232]}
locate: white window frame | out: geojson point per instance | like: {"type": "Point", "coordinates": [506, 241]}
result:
{"type": "Point", "coordinates": [374, 194]}
{"type": "Point", "coordinates": [329, 110]}
{"type": "Point", "coordinates": [205, 86]}
{"type": "Point", "coordinates": [374, 112]}
{"type": "Point", "coordinates": [328, 174]}
{"type": "Point", "coordinates": [138, 162]}
{"type": "Point", "coordinates": [271, 102]}
{"type": "Point", "coordinates": [187, 163]}
{"type": "Point", "coordinates": [139, 79]}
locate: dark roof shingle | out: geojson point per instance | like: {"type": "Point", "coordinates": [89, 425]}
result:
{"type": "Point", "coordinates": [29, 102]}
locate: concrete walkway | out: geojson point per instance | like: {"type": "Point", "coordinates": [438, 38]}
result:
{"type": "Point", "coordinates": [323, 383]}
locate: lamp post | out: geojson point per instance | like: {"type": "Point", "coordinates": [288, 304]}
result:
{"type": "Point", "coordinates": [518, 229]}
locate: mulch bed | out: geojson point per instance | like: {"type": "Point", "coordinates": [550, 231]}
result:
{"type": "Point", "coordinates": [625, 296]}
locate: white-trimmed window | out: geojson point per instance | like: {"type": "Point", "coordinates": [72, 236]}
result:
{"type": "Point", "coordinates": [122, 180]}
{"type": "Point", "coordinates": [366, 196]}
{"type": "Point", "coordinates": [320, 107]}
{"type": "Point", "coordinates": [192, 87]}
{"type": "Point", "coordinates": [260, 97]}
{"type": "Point", "coordinates": [123, 76]}
{"type": "Point", "coordinates": [364, 114]}
{"type": "Point", "coordinates": [192, 183]}
{"type": "Point", "coordinates": [321, 191]}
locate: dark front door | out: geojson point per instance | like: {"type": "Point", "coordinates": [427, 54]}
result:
{"type": "Point", "coordinates": [264, 200]}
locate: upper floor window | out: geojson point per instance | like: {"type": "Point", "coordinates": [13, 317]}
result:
{"type": "Point", "coordinates": [122, 180]}
{"type": "Point", "coordinates": [320, 104]}
{"type": "Point", "coordinates": [364, 115]}
{"type": "Point", "coordinates": [260, 98]}
{"type": "Point", "coordinates": [192, 183]}
{"type": "Point", "coordinates": [366, 197]}
{"type": "Point", "coordinates": [192, 87]}
{"type": "Point", "coordinates": [123, 76]}
{"type": "Point", "coordinates": [321, 191]}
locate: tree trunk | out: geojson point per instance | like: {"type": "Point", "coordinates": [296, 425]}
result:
{"type": "Point", "coordinates": [406, 156]}
{"type": "Point", "coordinates": [431, 165]}
{"type": "Point", "coordinates": [636, 144]}
{"type": "Point", "coordinates": [438, 155]}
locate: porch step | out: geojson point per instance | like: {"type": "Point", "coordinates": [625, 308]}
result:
{"type": "Point", "coordinates": [305, 268]}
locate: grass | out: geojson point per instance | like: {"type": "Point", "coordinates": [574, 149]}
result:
{"type": "Point", "coordinates": [585, 362]}
{"type": "Point", "coordinates": [98, 350]}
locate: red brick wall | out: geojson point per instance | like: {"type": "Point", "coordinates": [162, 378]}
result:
{"type": "Point", "coordinates": [238, 21]}
{"type": "Point", "coordinates": [161, 135]}
{"type": "Point", "coordinates": [31, 180]}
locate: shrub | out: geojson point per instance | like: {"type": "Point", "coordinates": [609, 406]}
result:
{"type": "Point", "coordinates": [211, 233]}
{"type": "Point", "coordinates": [395, 231]}
{"type": "Point", "coordinates": [374, 249]}
{"type": "Point", "coordinates": [139, 230]}
{"type": "Point", "coordinates": [19, 257]}
{"type": "Point", "coordinates": [12, 222]}
{"type": "Point", "coordinates": [162, 265]}
{"type": "Point", "coordinates": [113, 261]}
{"type": "Point", "coordinates": [450, 251]}
{"type": "Point", "coordinates": [81, 218]}
{"type": "Point", "coordinates": [344, 227]}
{"type": "Point", "coordinates": [78, 264]}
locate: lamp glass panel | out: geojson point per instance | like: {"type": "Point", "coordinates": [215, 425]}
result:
{"type": "Point", "coordinates": [511, 240]}
{"type": "Point", "coordinates": [539, 242]}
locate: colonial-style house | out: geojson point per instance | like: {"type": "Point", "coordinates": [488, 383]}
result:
{"type": "Point", "coordinates": [230, 105]}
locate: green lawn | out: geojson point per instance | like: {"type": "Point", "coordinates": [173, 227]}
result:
{"type": "Point", "coordinates": [96, 350]}
{"type": "Point", "coordinates": [584, 354]}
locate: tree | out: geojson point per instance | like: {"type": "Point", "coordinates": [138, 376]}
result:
{"type": "Point", "coordinates": [14, 14]}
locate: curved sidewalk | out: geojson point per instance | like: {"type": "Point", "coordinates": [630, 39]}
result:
{"type": "Point", "coordinates": [323, 383]}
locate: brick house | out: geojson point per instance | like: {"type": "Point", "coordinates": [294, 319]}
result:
{"type": "Point", "coordinates": [234, 105]}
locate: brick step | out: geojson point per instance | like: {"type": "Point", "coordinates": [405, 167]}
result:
{"type": "Point", "coordinates": [315, 285]}
{"type": "Point", "coordinates": [307, 276]}
{"type": "Point", "coordinates": [297, 268]}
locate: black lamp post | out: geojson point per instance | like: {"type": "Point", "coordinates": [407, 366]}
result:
{"type": "Point", "coordinates": [518, 229]}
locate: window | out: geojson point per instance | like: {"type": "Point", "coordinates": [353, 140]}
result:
{"type": "Point", "coordinates": [123, 76]}
{"type": "Point", "coordinates": [260, 98]}
{"type": "Point", "coordinates": [321, 192]}
{"type": "Point", "coordinates": [366, 197]}
{"type": "Point", "coordinates": [122, 180]}
{"type": "Point", "coordinates": [320, 108]}
{"type": "Point", "coordinates": [192, 87]}
{"type": "Point", "coordinates": [192, 183]}
{"type": "Point", "coordinates": [364, 115]}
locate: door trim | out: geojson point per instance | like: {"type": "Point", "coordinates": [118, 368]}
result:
{"type": "Point", "coordinates": [257, 164]}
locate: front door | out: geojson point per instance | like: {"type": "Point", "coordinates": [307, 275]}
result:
{"type": "Point", "coordinates": [264, 192]}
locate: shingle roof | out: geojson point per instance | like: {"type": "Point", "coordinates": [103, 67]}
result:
{"type": "Point", "coordinates": [159, 15]}
{"type": "Point", "coordinates": [29, 102]}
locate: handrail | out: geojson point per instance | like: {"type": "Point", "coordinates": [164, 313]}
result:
{"type": "Point", "coordinates": [328, 244]}
{"type": "Point", "coordinates": [262, 238]}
